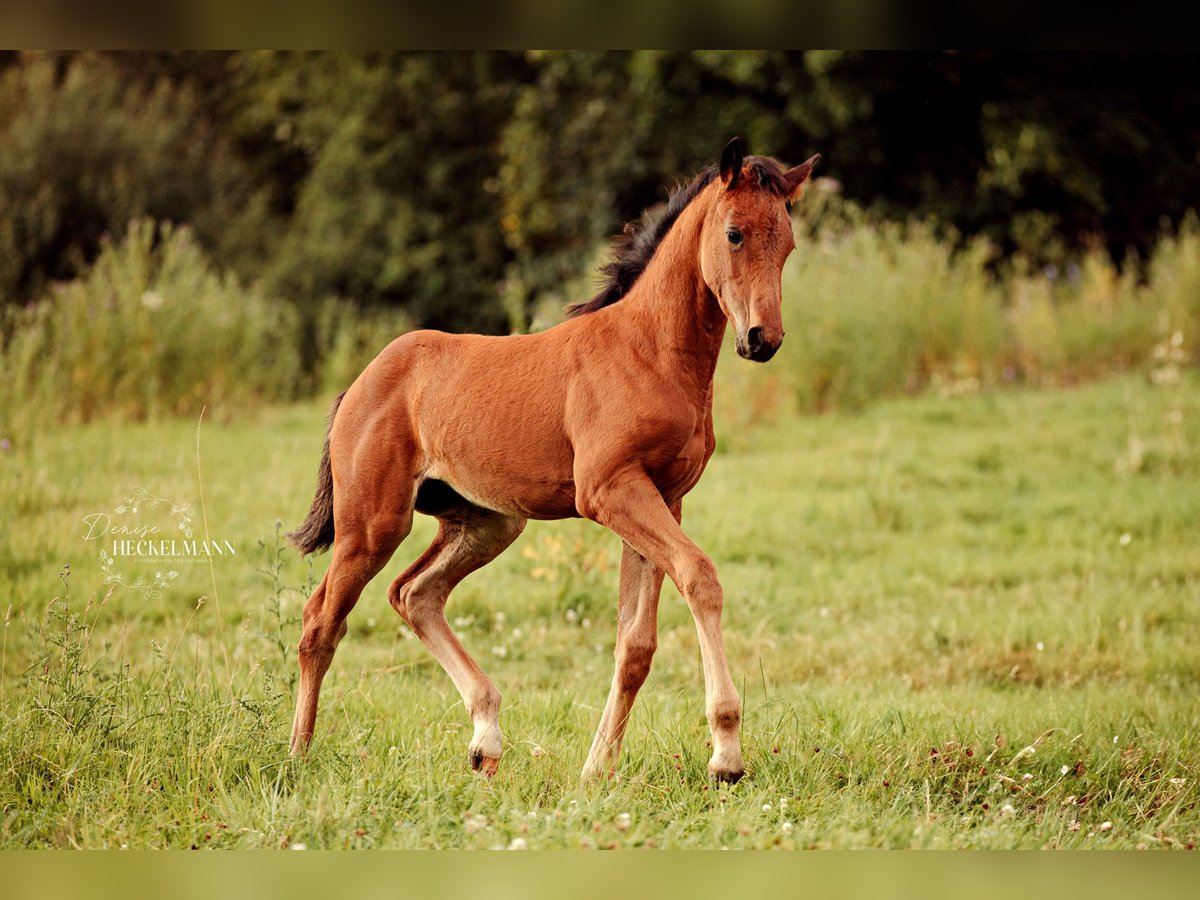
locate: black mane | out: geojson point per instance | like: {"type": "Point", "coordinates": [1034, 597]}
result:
{"type": "Point", "coordinates": [634, 247]}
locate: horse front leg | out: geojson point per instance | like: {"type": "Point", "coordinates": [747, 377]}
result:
{"type": "Point", "coordinates": [637, 639]}
{"type": "Point", "coordinates": [629, 504]}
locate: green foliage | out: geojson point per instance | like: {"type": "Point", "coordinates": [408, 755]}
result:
{"type": "Point", "coordinates": [914, 598]}
{"type": "Point", "coordinates": [83, 153]}
{"type": "Point", "coordinates": [468, 189]}
{"type": "Point", "coordinates": [875, 309]}
{"type": "Point", "coordinates": [397, 203]}
{"type": "Point", "coordinates": [153, 330]}
{"type": "Point", "coordinates": [346, 337]}
{"type": "Point", "coordinates": [150, 330]}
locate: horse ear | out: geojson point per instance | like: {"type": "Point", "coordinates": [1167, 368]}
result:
{"type": "Point", "coordinates": [731, 162]}
{"type": "Point", "coordinates": [795, 177]}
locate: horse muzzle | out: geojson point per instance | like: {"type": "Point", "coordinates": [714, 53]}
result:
{"type": "Point", "coordinates": [755, 346]}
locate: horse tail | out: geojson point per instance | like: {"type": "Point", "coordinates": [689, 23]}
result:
{"type": "Point", "coordinates": [315, 533]}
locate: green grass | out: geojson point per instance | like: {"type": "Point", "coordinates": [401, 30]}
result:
{"type": "Point", "coordinates": [915, 596]}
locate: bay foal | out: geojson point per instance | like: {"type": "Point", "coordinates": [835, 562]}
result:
{"type": "Point", "coordinates": [606, 416]}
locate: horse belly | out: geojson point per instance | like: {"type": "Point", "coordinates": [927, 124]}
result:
{"type": "Point", "coordinates": [505, 466]}
{"type": "Point", "coordinates": [505, 493]}
{"type": "Point", "coordinates": [488, 415]}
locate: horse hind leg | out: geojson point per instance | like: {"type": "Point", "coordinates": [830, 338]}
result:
{"type": "Point", "coordinates": [361, 549]}
{"type": "Point", "coordinates": [468, 537]}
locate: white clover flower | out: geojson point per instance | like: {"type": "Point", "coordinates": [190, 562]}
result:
{"type": "Point", "coordinates": [623, 821]}
{"type": "Point", "coordinates": [1007, 810]}
{"type": "Point", "coordinates": [299, 846]}
{"type": "Point", "coordinates": [1106, 826]}
{"type": "Point", "coordinates": [786, 827]}
{"type": "Point", "coordinates": [518, 843]}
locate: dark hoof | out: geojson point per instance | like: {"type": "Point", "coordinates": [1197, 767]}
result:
{"type": "Point", "coordinates": [729, 777]}
{"type": "Point", "coordinates": [476, 759]}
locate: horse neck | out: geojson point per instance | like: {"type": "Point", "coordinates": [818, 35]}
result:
{"type": "Point", "coordinates": [671, 306]}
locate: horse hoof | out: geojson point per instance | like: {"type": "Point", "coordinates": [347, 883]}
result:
{"type": "Point", "coordinates": [597, 774]}
{"type": "Point", "coordinates": [484, 765]}
{"type": "Point", "coordinates": [727, 776]}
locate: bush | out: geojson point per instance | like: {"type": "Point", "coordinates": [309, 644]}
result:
{"type": "Point", "coordinates": [878, 309]}
{"type": "Point", "coordinates": [150, 330]}
{"type": "Point", "coordinates": [83, 153]}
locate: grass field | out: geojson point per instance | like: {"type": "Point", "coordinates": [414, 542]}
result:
{"type": "Point", "coordinates": [965, 621]}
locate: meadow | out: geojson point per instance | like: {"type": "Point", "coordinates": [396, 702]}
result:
{"type": "Point", "coordinates": [963, 619]}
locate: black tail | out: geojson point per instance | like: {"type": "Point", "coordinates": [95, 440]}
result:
{"type": "Point", "coordinates": [316, 532]}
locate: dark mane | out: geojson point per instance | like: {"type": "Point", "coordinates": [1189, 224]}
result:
{"type": "Point", "coordinates": [634, 247]}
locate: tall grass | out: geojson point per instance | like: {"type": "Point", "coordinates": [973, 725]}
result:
{"type": "Point", "coordinates": [872, 310]}
{"type": "Point", "coordinates": [153, 330]}
{"type": "Point", "coordinates": [879, 310]}
{"type": "Point", "coordinates": [954, 622]}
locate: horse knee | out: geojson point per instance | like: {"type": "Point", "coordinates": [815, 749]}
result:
{"type": "Point", "coordinates": [316, 645]}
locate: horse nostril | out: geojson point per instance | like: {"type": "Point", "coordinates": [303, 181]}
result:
{"type": "Point", "coordinates": [754, 338]}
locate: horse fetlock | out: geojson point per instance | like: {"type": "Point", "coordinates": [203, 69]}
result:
{"type": "Point", "coordinates": [725, 718]}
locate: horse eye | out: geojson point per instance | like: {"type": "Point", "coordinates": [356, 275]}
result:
{"type": "Point", "coordinates": [735, 236]}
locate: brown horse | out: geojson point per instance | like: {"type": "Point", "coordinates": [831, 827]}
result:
{"type": "Point", "coordinates": [606, 416]}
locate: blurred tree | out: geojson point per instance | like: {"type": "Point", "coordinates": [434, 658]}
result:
{"type": "Point", "coordinates": [464, 186]}
{"type": "Point", "coordinates": [397, 203]}
{"type": "Point", "coordinates": [83, 153]}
